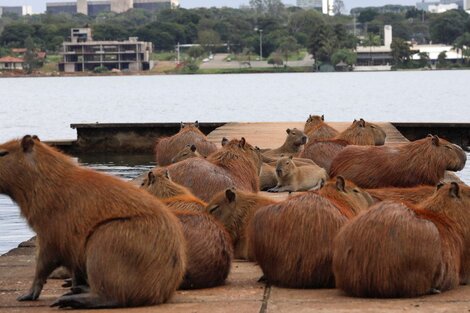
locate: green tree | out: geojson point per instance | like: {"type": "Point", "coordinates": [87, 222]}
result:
{"type": "Point", "coordinates": [30, 59]}
{"type": "Point", "coordinates": [367, 15]}
{"type": "Point", "coordinates": [208, 39]}
{"type": "Point", "coordinates": [401, 51]}
{"type": "Point", "coordinates": [275, 59]}
{"type": "Point", "coordinates": [462, 44]}
{"type": "Point", "coordinates": [344, 55]}
{"type": "Point", "coordinates": [288, 45]}
{"type": "Point", "coordinates": [424, 59]}
{"type": "Point", "coordinates": [195, 52]}
{"type": "Point", "coordinates": [371, 41]}
{"type": "Point", "coordinates": [448, 26]}
{"type": "Point", "coordinates": [338, 7]}
{"type": "Point", "coordinates": [442, 60]}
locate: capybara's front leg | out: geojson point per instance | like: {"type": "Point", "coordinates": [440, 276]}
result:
{"type": "Point", "coordinates": [46, 263]}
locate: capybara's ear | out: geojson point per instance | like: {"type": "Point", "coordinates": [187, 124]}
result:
{"type": "Point", "coordinates": [181, 125]}
{"type": "Point", "coordinates": [196, 124]}
{"type": "Point", "coordinates": [35, 137]}
{"type": "Point", "coordinates": [151, 177]}
{"type": "Point", "coordinates": [454, 190]}
{"type": "Point", "coordinates": [322, 117]}
{"type": "Point", "coordinates": [242, 142]}
{"type": "Point", "coordinates": [340, 183]}
{"type": "Point", "coordinates": [440, 185]}
{"type": "Point", "coordinates": [167, 174]}
{"type": "Point", "coordinates": [435, 140]}
{"type": "Point", "coordinates": [288, 130]}
{"type": "Point", "coordinates": [362, 123]}
{"type": "Point", "coordinates": [224, 141]}
{"type": "Point", "coordinates": [193, 148]}
{"type": "Point", "coordinates": [230, 195]}
{"type": "Point", "coordinates": [27, 143]}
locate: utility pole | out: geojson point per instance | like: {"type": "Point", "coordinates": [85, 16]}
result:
{"type": "Point", "coordinates": [261, 44]}
{"type": "Point", "coordinates": [178, 53]}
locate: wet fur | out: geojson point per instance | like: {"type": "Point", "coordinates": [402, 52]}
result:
{"type": "Point", "coordinates": [322, 152]}
{"type": "Point", "coordinates": [315, 128]}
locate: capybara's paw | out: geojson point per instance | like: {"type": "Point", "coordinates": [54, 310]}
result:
{"type": "Point", "coordinates": [31, 296]}
{"type": "Point", "coordinates": [273, 190]}
{"type": "Point", "coordinates": [67, 283]}
{"type": "Point", "coordinates": [68, 301]}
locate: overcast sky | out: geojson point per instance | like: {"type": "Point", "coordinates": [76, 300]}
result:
{"type": "Point", "coordinates": [40, 5]}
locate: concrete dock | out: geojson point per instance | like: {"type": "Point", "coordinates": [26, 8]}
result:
{"type": "Point", "coordinates": [242, 291]}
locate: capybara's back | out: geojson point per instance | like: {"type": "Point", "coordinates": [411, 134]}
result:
{"type": "Point", "coordinates": [210, 250]}
{"type": "Point", "coordinates": [119, 239]}
{"type": "Point", "coordinates": [412, 195]}
{"type": "Point", "coordinates": [322, 152]}
{"type": "Point", "coordinates": [316, 129]}
{"type": "Point", "coordinates": [390, 251]}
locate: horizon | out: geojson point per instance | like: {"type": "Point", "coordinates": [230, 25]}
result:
{"type": "Point", "coordinates": [39, 6]}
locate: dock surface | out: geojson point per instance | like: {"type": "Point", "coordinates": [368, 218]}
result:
{"type": "Point", "coordinates": [242, 291]}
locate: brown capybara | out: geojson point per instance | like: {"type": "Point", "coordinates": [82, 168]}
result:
{"type": "Point", "coordinates": [189, 151]}
{"type": "Point", "coordinates": [316, 128]}
{"type": "Point", "coordinates": [292, 178]}
{"type": "Point", "coordinates": [292, 145]}
{"type": "Point", "coordinates": [175, 196]}
{"type": "Point", "coordinates": [209, 250]}
{"type": "Point", "coordinates": [236, 164]}
{"type": "Point", "coordinates": [166, 148]}
{"type": "Point", "coordinates": [394, 250]}
{"type": "Point", "coordinates": [235, 209]}
{"type": "Point", "coordinates": [292, 240]}
{"type": "Point", "coordinates": [322, 152]}
{"type": "Point", "coordinates": [358, 134]}
{"type": "Point", "coordinates": [413, 195]}
{"type": "Point", "coordinates": [120, 240]}
{"type": "Point", "coordinates": [379, 133]}
{"type": "Point", "coordinates": [267, 177]}
{"type": "Point", "coordinates": [421, 162]}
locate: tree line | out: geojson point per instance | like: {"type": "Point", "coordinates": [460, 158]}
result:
{"type": "Point", "coordinates": [329, 39]}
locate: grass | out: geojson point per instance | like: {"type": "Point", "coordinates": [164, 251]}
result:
{"type": "Point", "coordinates": [256, 70]}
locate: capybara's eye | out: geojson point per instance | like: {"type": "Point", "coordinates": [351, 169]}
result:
{"type": "Point", "coordinates": [212, 211]}
{"type": "Point", "coordinates": [356, 191]}
{"type": "Point", "coordinates": [448, 147]}
{"type": "Point", "coordinates": [3, 153]}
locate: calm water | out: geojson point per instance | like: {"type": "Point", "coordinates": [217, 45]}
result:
{"type": "Point", "coordinates": [47, 106]}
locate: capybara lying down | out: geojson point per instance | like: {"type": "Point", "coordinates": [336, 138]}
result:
{"type": "Point", "coordinates": [292, 178]}
{"type": "Point", "coordinates": [176, 197]}
{"type": "Point", "coordinates": [189, 151]}
{"type": "Point", "coordinates": [292, 240]}
{"type": "Point", "coordinates": [235, 209]}
{"type": "Point", "coordinates": [292, 146]}
{"type": "Point", "coordinates": [413, 195]}
{"type": "Point", "coordinates": [421, 162]}
{"type": "Point", "coordinates": [323, 152]}
{"type": "Point", "coordinates": [394, 250]}
{"type": "Point", "coordinates": [120, 240]}
{"type": "Point", "coordinates": [166, 148]}
{"type": "Point", "coordinates": [267, 175]}
{"type": "Point", "coordinates": [236, 164]}
{"type": "Point", "coordinates": [316, 128]}
{"type": "Point", "coordinates": [362, 134]}
{"type": "Point", "coordinates": [210, 250]}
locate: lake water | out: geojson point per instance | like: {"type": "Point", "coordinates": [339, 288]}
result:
{"type": "Point", "coordinates": [47, 106]}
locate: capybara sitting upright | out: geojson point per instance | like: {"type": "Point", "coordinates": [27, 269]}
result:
{"type": "Point", "coordinates": [167, 148]}
{"type": "Point", "coordinates": [292, 146]}
{"type": "Point", "coordinates": [236, 164]}
{"type": "Point", "coordinates": [292, 240]}
{"type": "Point", "coordinates": [120, 240]}
{"type": "Point", "coordinates": [316, 128]}
{"type": "Point", "coordinates": [394, 250]}
{"type": "Point", "coordinates": [235, 209]}
{"type": "Point", "coordinates": [358, 134]}
{"type": "Point", "coordinates": [421, 162]}
{"type": "Point", "coordinates": [175, 196]}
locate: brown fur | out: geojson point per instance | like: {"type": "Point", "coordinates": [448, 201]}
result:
{"type": "Point", "coordinates": [167, 148]}
{"type": "Point", "coordinates": [292, 178]}
{"type": "Point", "coordinates": [209, 248]}
{"type": "Point", "coordinates": [412, 195]}
{"type": "Point", "coordinates": [315, 128]}
{"type": "Point", "coordinates": [422, 162]}
{"type": "Point", "coordinates": [394, 250]}
{"type": "Point", "coordinates": [189, 151]}
{"type": "Point", "coordinates": [292, 240]}
{"type": "Point", "coordinates": [322, 152]}
{"type": "Point", "coordinates": [96, 226]}
{"type": "Point", "coordinates": [358, 134]}
{"type": "Point", "coordinates": [292, 146]}
{"type": "Point", "coordinates": [236, 164]}
{"type": "Point", "coordinates": [175, 196]}
{"type": "Point", "coordinates": [267, 177]}
{"type": "Point", "coordinates": [379, 133]}
{"type": "Point", "coordinates": [235, 209]}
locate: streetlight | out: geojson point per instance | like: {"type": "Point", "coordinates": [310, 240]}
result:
{"type": "Point", "coordinates": [260, 42]}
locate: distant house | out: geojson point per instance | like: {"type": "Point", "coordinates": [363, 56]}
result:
{"type": "Point", "coordinates": [11, 63]}
{"type": "Point", "coordinates": [40, 55]}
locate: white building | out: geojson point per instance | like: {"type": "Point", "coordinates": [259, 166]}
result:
{"type": "Point", "coordinates": [434, 50]}
{"type": "Point", "coordinates": [327, 7]}
{"type": "Point", "coordinates": [466, 5]}
{"type": "Point", "coordinates": [310, 4]}
{"type": "Point", "coordinates": [441, 8]}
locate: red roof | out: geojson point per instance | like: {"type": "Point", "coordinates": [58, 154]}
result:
{"type": "Point", "coordinates": [9, 59]}
{"type": "Point", "coordinates": [41, 55]}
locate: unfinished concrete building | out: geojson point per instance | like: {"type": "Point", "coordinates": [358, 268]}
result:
{"type": "Point", "coordinates": [94, 7]}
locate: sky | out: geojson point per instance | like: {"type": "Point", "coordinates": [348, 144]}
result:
{"type": "Point", "coordinates": [40, 5]}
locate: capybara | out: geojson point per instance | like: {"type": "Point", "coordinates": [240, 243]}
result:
{"type": "Point", "coordinates": [166, 148]}
{"type": "Point", "coordinates": [358, 134]}
{"type": "Point", "coordinates": [120, 240]}
{"type": "Point", "coordinates": [292, 178]}
{"type": "Point", "coordinates": [267, 177]}
{"type": "Point", "coordinates": [413, 195]}
{"type": "Point", "coordinates": [235, 209]}
{"type": "Point", "coordinates": [175, 196]}
{"type": "Point", "coordinates": [421, 162]}
{"type": "Point", "coordinates": [292, 240]}
{"type": "Point", "coordinates": [189, 151]}
{"type": "Point", "coordinates": [379, 133]}
{"type": "Point", "coordinates": [394, 250]}
{"type": "Point", "coordinates": [292, 146]}
{"type": "Point", "coordinates": [209, 250]}
{"type": "Point", "coordinates": [236, 164]}
{"type": "Point", "coordinates": [322, 152]}
{"type": "Point", "coordinates": [316, 128]}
